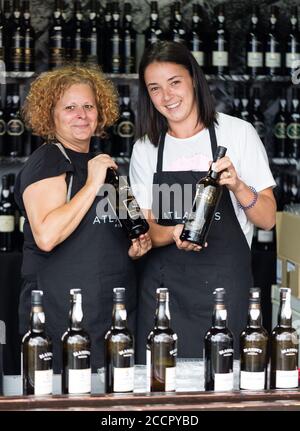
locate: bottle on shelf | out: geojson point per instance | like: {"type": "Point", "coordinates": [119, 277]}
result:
{"type": "Point", "coordinates": [76, 31]}
{"type": "Point", "coordinates": [126, 207]}
{"type": "Point", "coordinates": [177, 31]}
{"type": "Point", "coordinates": [8, 26]}
{"type": "Point", "coordinates": [254, 46]}
{"type": "Point", "coordinates": [29, 39]}
{"type": "Point", "coordinates": [107, 29]}
{"type": "Point", "coordinates": [236, 102]}
{"type": "Point", "coordinates": [93, 37]}
{"type": "Point", "coordinates": [76, 373]}
{"type": "Point", "coordinates": [7, 217]}
{"type": "Point", "coordinates": [220, 44]}
{"type": "Point", "coordinates": [284, 347]}
{"type": "Point", "coordinates": [196, 38]}
{"type": "Point", "coordinates": [57, 52]}
{"type": "Point", "coordinates": [37, 373]}
{"type": "Point", "coordinates": [2, 37]}
{"type": "Point", "coordinates": [2, 129]}
{"type": "Point", "coordinates": [280, 127]}
{"type": "Point", "coordinates": [15, 129]}
{"type": "Point", "coordinates": [218, 348]}
{"type": "Point", "coordinates": [129, 41]}
{"type": "Point", "coordinates": [154, 32]}
{"type": "Point", "coordinates": [245, 103]}
{"type": "Point", "coordinates": [293, 128]}
{"type": "Point", "coordinates": [273, 55]}
{"type": "Point", "coordinates": [119, 348]}
{"type": "Point", "coordinates": [125, 126]}
{"type": "Point", "coordinates": [115, 42]}
{"type": "Point", "coordinates": [161, 349]}
{"type": "Point", "coordinates": [254, 347]}
{"type": "Point", "coordinates": [292, 45]}
{"type": "Point", "coordinates": [256, 115]}
{"type": "Point", "coordinates": [294, 189]}
{"type": "Point", "coordinates": [208, 194]}
{"type": "Point", "coordinates": [17, 44]}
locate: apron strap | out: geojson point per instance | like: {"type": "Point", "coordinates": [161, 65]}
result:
{"type": "Point", "coordinates": [213, 139]}
{"type": "Point", "coordinates": [63, 151]}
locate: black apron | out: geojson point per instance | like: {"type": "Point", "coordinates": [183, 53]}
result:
{"type": "Point", "coordinates": [191, 277]}
{"type": "Point", "coordinates": [94, 258]}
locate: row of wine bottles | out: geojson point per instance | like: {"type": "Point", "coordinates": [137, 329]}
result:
{"type": "Point", "coordinates": [161, 349]}
{"type": "Point", "coordinates": [104, 39]}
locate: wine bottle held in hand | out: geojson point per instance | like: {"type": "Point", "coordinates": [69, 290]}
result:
{"type": "Point", "coordinates": [207, 198]}
{"type": "Point", "coordinates": [36, 364]}
{"type": "Point", "coordinates": [76, 374]}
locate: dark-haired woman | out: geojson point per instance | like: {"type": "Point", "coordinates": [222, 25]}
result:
{"type": "Point", "coordinates": [178, 131]}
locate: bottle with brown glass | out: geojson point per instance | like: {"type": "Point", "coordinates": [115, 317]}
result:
{"type": "Point", "coordinates": [161, 348]}
{"type": "Point", "coordinates": [126, 208]}
{"type": "Point", "coordinates": [254, 347]}
{"type": "Point", "coordinates": [37, 373]}
{"type": "Point", "coordinates": [119, 348]}
{"type": "Point", "coordinates": [284, 347]}
{"type": "Point", "coordinates": [76, 373]}
{"type": "Point", "coordinates": [218, 348]}
{"type": "Point", "coordinates": [208, 194]}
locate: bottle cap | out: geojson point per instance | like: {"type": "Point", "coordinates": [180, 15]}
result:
{"type": "Point", "coordinates": [255, 294]}
{"type": "Point", "coordinates": [36, 297]}
{"type": "Point", "coordinates": [119, 294]}
{"type": "Point", "coordinates": [284, 292]}
{"type": "Point", "coordinates": [162, 293]}
{"type": "Point", "coordinates": [219, 294]}
{"type": "Point", "coordinates": [75, 291]}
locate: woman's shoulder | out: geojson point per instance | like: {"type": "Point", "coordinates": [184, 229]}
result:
{"type": "Point", "coordinates": [47, 153]}
{"type": "Point", "coordinates": [226, 121]}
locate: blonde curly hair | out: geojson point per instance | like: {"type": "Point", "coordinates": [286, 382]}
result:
{"type": "Point", "coordinates": [49, 87]}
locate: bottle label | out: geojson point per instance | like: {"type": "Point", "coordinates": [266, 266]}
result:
{"type": "Point", "coordinates": [205, 198]}
{"type": "Point", "coordinates": [252, 380]}
{"type": "Point", "coordinates": [7, 223]}
{"type": "Point", "coordinates": [223, 382]}
{"type": "Point", "coordinates": [132, 208]}
{"type": "Point", "coordinates": [125, 129]}
{"type": "Point", "coordinates": [148, 369]}
{"type": "Point", "coordinates": [293, 131]}
{"type": "Point", "coordinates": [273, 59]}
{"type": "Point", "coordinates": [80, 381]}
{"type": "Point", "coordinates": [265, 236]}
{"type": "Point", "coordinates": [286, 379]}
{"type": "Point", "coordinates": [292, 59]}
{"type": "Point", "coordinates": [170, 377]}
{"type": "Point", "coordinates": [220, 58]}
{"type": "Point", "coordinates": [254, 59]}
{"type": "Point", "coordinates": [43, 382]}
{"type": "Point", "coordinates": [15, 127]}
{"type": "Point", "coordinates": [280, 130]}
{"type": "Point", "coordinates": [123, 379]}
{"type": "Point", "coordinates": [21, 223]}
{"type": "Point", "coordinates": [2, 127]}
{"type": "Point", "coordinates": [199, 56]}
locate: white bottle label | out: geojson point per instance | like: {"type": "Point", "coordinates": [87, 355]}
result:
{"type": "Point", "coordinates": [170, 379]}
{"type": "Point", "coordinates": [80, 381]}
{"type": "Point", "coordinates": [43, 382]}
{"type": "Point", "coordinates": [255, 59]}
{"type": "Point", "coordinates": [264, 235]}
{"type": "Point", "coordinates": [252, 380]}
{"type": "Point", "coordinates": [199, 56]}
{"type": "Point", "coordinates": [273, 59]}
{"type": "Point", "coordinates": [223, 381]}
{"type": "Point", "coordinates": [291, 60]}
{"type": "Point", "coordinates": [220, 58]}
{"type": "Point", "coordinates": [7, 223]}
{"type": "Point", "coordinates": [286, 379]}
{"type": "Point", "coordinates": [148, 369]}
{"type": "Point", "coordinates": [123, 379]}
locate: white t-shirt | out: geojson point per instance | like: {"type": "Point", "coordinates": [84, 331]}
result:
{"type": "Point", "coordinates": [244, 148]}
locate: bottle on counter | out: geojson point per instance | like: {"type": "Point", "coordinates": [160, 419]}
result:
{"type": "Point", "coordinates": [126, 207]}
{"type": "Point", "coordinates": [7, 217]}
{"type": "Point", "coordinates": [76, 373]}
{"type": "Point", "coordinates": [37, 373]}
{"type": "Point", "coordinates": [284, 347]}
{"type": "Point", "coordinates": [161, 348]}
{"type": "Point", "coordinates": [208, 194]}
{"type": "Point", "coordinates": [218, 348]}
{"type": "Point", "coordinates": [119, 348]}
{"type": "Point", "coordinates": [254, 347]}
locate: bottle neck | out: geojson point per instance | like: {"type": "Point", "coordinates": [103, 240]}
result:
{"type": "Point", "coordinates": [254, 316]}
{"type": "Point", "coordinates": [76, 315]}
{"type": "Point", "coordinates": [37, 319]}
{"type": "Point", "coordinates": [219, 319]}
{"type": "Point", "coordinates": [162, 317]}
{"type": "Point", "coordinates": [285, 313]}
{"type": "Point", "coordinates": [119, 316]}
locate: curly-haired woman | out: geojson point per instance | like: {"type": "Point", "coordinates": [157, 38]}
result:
{"type": "Point", "coordinates": [66, 243]}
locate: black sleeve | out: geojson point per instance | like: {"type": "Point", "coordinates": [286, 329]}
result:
{"type": "Point", "coordinates": [46, 162]}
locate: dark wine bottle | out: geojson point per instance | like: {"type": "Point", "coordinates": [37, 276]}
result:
{"type": "Point", "coordinates": [284, 347]}
{"type": "Point", "coordinates": [15, 128]}
{"type": "Point", "coordinates": [16, 54]}
{"type": "Point", "coordinates": [254, 46]}
{"type": "Point", "coordinates": [2, 37]}
{"type": "Point", "coordinates": [57, 52]}
{"type": "Point", "coordinates": [125, 126]}
{"type": "Point", "coordinates": [280, 127]}
{"type": "Point", "coordinates": [218, 349]}
{"type": "Point", "coordinates": [292, 46]}
{"type": "Point", "coordinates": [7, 217]}
{"type": "Point", "coordinates": [220, 44]}
{"type": "Point", "coordinates": [115, 41]}
{"type": "Point", "coordinates": [177, 31]}
{"type": "Point", "coordinates": [273, 46]}
{"type": "Point", "coordinates": [93, 45]}
{"type": "Point", "coordinates": [129, 41]}
{"type": "Point", "coordinates": [161, 348]}
{"type": "Point", "coordinates": [245, 103]}
{"type": "Point", "coordinates": [256, 115]}
{"type": "Point", "coordinates": [208, 195]}
{"type": "Point", "coordinates": [254, 347]}
{"type": "Point", "coordinates": [37, 373]}
{"type": "Point", "coordinates": [127, 209]}
{"type": "Point", "coordinates": [29, 39]}
{"type": "Point", "coordinates": [154, 32]}
{"type": "Point", "coordinates": [293, 128]}
{"type": "Point", "coordinates": [196, 39]}
{"type": "Point", "coordinates": [119, 348]}
{"type": "Point", "coordinates": [76, 373]}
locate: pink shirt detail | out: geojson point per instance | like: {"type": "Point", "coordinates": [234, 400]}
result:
{"type": "Point", "coordinates": [197, 162]}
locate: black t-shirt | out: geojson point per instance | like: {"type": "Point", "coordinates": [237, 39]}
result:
{"type": "Point", "coordinates": [46, 162]}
